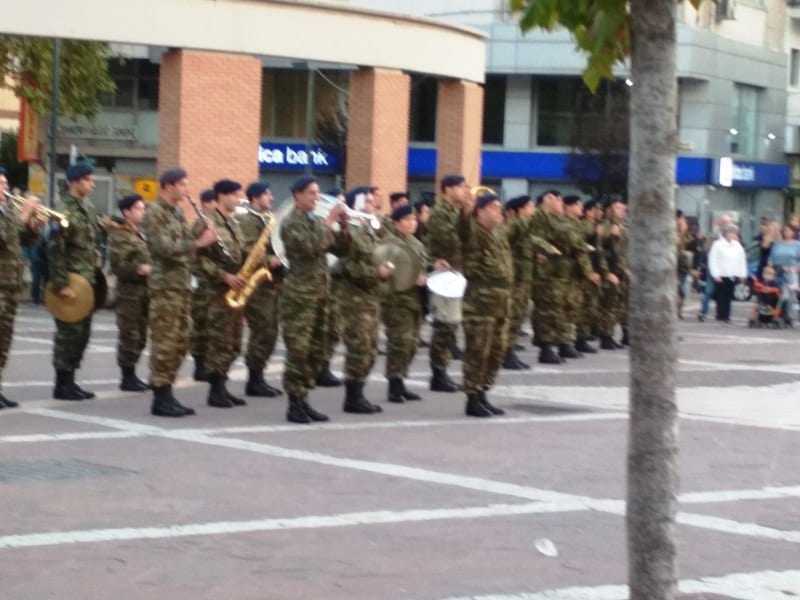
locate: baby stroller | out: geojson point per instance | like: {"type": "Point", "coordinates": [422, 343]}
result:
{"type": "Point", "coordinates": [787, 277]}
{"type": "Point", "coordinates": [767, 310]}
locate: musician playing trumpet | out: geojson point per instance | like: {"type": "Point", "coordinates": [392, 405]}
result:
{"type": "Point", "coordinates": [19, 226]}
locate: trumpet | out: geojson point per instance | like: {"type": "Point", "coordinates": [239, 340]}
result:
{"type": "Point", "coordinates": [326, 204]}
{"type": "Point", "coordinates": [42, 212]}
{"type": "Point", "coordinates": [480, 190]}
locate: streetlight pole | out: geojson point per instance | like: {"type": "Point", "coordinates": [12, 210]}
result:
{"type": "Point", "coordinates": [54, 101]}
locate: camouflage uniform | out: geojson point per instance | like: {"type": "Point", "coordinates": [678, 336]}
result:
{"type": "Point", "coordinates": [261, 311]}
{"type": "Point", "coordinates": [587, 325]}
{"type": "Point", "coordinates": [614, 302]}
{"type": "Point", "coordinates": [73, 250]}
{"type": "Point", "coordinates": [12, 235]}
{"type": "Point", "coordinates": [128, 251]}
{"type": "Point", "coordinates": [489, 270]}
{"type": "Point", "coordinates": [443, 243]}
{"type": "Point", "coordinates": [402, 316]}
{"type": "Point", "coordinates": [581, 269]}
{"type": "Point", "coordinates": [171, 245]}
{"type": "Point", "coordinates": [521, 242]}
{"type": "Point", "coordinates": [304, 299]}
{"type": "Point", "coordinates": [224, 338]}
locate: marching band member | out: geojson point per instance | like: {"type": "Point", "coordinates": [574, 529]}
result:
{"type": "Point", "coordinates": [200, 299]}
{"type": "Point", "coordinates": [172, 243]}
{"type": "Point", "coordinates": [130, 263]}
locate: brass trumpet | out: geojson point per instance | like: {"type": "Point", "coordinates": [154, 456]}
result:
{"type": "Point", "coordinates": [44, 213]}
{"type": "Point", "coordinates": [481, 189]}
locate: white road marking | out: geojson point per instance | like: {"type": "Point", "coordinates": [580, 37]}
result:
{"type": "Point", "coordinates": [311, 522]}
{"type": "Point", "coordinates": [766, 493]}
{"type": "Point", "coordinates": [70, 436]}
{"type": "Point", "coordinates": [764, 585]}
{"type": "Point", "coordinates": [38, 383]}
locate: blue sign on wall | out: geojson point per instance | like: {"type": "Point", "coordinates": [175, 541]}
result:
{"type": "Point", "coordinates": [294, 157]}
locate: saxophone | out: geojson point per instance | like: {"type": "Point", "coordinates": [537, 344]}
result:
{"type": "Point", "coordinates": [253, 270]}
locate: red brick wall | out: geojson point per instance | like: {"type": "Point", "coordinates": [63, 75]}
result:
{"type": "Point", "coordinates": [377, 136]}
{"type": "Point", "coordinates": [459, 127]}
{"type": "Point", "coordinates": [210, 114]}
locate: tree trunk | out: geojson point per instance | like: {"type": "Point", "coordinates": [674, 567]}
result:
{"type": "Point", "coordinates": [653, 436]}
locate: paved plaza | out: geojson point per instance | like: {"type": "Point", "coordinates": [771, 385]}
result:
{"type": "Point", "coordinates": [101, 500]}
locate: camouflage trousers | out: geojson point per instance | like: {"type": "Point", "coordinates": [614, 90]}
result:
{"type": "Point", "coordinates": [359, 333]}
{"type": "Point", "coordinates": [573, 306]}
{"type": "Point", "coordinates": [224, 336]}
{"type": "Point", "coordinates": [334, 325]}
{"type": "Point", "coordinates": [402, 317]}
{"type": "Point", "coordinates": [304, 322]}
{"type": "Point", "coordinates": [613, 307]}
{"type": "Point", "coordinates": [520, 300]}
{"type": "Point", "coordinates": [132, 307]}
{"type": "Point", "coordinates": [589, 314]}
{"type": "Point", "coordinates": [70, 343]}
{"type": "Point", "coordinates": [550, 323]}
{"type": "Point", "coordinates": [200, 299]}
{"type": "Point", "coordinates": [170, 325]}
{"type": "Point", "coordinates": [9, 299]}
{"type": "Point", "coordinates": [442, 339]}
{"type": "Point", "coordinates": [262, 317]}
{"type": "Point", "coordinates": [487, 318]}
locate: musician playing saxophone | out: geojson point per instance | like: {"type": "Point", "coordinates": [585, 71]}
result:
{"type": "Point", "coordinates": [261, 311]}
{"type": "Point", "coordinates": [220, 269]}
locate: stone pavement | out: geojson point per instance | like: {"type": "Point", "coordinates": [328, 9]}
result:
{"type": "Point", "coordinates": [101, 500]}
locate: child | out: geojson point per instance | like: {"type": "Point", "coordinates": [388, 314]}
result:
{"type": "Point", "coordinates": [768, 294]}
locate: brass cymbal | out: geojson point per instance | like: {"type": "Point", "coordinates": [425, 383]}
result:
{"type": "Point", "coordinates": [71, 310]}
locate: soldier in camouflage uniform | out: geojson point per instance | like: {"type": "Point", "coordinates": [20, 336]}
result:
{"type": "Point", "coordinates": [17, 228]}
{"type": "Point", "coordinates": [172, 243]}
{"type": "Point", "coordinates": [261, 311]}
{"type": "Point", "coordinates": [518, 213]}
{"type": "Point", "coordinates": [585, 281]}
{"type": "Point", "coordinates": [74, 249]}
{"type": "Point", "coordinates": [592, 215]}
{"type": "Point", "coordinates": [444, 246]}
{"type": "Point", "coordinates": [220, 270]}
{"type": "Point", "coordinates": [614, 302]}
{"type": "Point", "coordinates": [304, 299]}
{"type": "Point", "coordinates": [130, 263]}
{"type": "Point", "coordinates": [489, 270]}
{"type": "Point", "coordinates": [200, 299]}
{"type": "Point", "coordinates": [402, 310]}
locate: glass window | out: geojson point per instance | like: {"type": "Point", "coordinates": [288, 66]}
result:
{"type": "Point", "coordinates": [137, 85]}
{"type": "Point", "coordinates": [794, 68]}
{"type": "Point", "coordinates": [424, 92]}
{"type": "Point", "coordinates": [494, 109]}
{"type": "Point", "coordinates": [744, 133]}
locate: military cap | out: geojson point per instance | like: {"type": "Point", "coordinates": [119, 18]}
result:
{"type": "Point", "coordinates": [518, 202]}
{"type": "Point", "coordinates": [79, 171]}
{"type": "Point", "coordinates": [128, 201]}
{"type": "Point", "coordinates": [172, 176]}
{"type": "Point", "coordinates": [254, 190]}
{"type": "Point", "coordinates": [451, 181]}
{"type": "Point", "coordinates": [207, 196]}
{"type": "Point", "coordinates": [485, 199]}
{"type": "Point", "coordinates": [397, 196]}
{"type": "Point", "coordinates": [401, 212]}
{"type": "Point", "coordinates": [226, 186]}
{"type": "Point", "coordinates": [301, 185]}
{"type": "Point", "coordinates": [571, 199]}
{"type": "Point", "coordinates": [351, 198]}
{"type": "Point", "coordinates": [590, 205]}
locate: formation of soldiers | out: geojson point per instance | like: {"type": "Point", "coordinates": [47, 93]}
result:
{"type": "Point", "coordinates": [555, 259]}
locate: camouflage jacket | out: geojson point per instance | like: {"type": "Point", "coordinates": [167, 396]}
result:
{"type": "Point", "coordinates": [252, 223]}
{"type": "Point", "coordinates": [521, 241]}
{"type": "Point", "coordinates": [597, 256]}
{"type": "Point", "coordinates": [127, 250]}
{"type": "Point", "coordinates": [558, 232]}
{"type": "Point", "coordinates": [75, 249]}
{"type": "Point", "coordinates": [487, 254]}
{"type": "Point", "coordinates": [579, 249]}
{"type": "Point", "coordinates": [306, 240]}
{"type": "Point", "coordinates": [171, 245]}
{"type": "Point", "coordinates": [13, 235]}
{"type": "Point", "coordinates": [615, 248]}
{"type": "Point", "coordinates": [442, 232]}
{"type": "Point", "coordinates": [213, 265]}
{"type": "Point", "coordinates": [357, 267]}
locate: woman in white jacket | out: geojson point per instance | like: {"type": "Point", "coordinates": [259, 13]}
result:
{"type": "Point", "coordinates": [727, 264]}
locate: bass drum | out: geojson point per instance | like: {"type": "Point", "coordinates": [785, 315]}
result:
{"type": "Point", "coordinates": [447, 290]}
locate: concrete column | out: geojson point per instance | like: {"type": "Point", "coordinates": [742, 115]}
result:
{"type": "Point", "coordinates": [377, 132]}
{"type": "Point", "coordinates": [459, 123]}
{"type": "Point", "coordinates": [209, 116]}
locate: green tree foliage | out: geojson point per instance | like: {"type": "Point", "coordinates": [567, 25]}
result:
{"type": "Point", "coordinates": [26, 65]}
{"type": "Point", "coordinates": [17, 172]}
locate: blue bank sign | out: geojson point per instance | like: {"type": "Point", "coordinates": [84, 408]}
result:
{"type": "Point", "coordinates": [296, 157]}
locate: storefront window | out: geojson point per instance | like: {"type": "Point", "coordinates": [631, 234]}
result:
{"type": "Point", "coordinates": [744, 133]}
{"type": "Point", "coordinates": [494, 109]}
{"type": "Point", "coordinates": [424, 92]}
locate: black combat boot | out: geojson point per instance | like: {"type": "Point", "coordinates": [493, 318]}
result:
{"type": "Point", "coordinates": [608, 343]}
{"type": "Point", "coordinates": [354, 400]}
{"type": "Point", "coordinates": [217, 394]}
{"type": "Point", "coordinates": [257, 386]}
{"type": "Point", "coordinates": [326, 378]}
{"type": "Point", "coordinates": [549, 356]}
{"type": "Point", "coordinates": [6, 403]}
{"type": "Point", "coordinates": [568, 351]}
{"type": "Point", "coordinates": [165, 405]}
{"type": "Point", "coordinates": [314, 415]}
{"type": "Point", "coordinates": [583, 346]}
{"type": "Point", "coordinates": [200, 373]}
{"type": "Point", "coordinates": [65, 388]}
{"type": "Point", "coordinates": [625, 341]}
{"type": "Point", "coordinates": [410, 396]}
{"type": "Point", "coordinates": [475, 407]}
{"type": "Point", "coordinates": [441, 382]}
{"type": "Point", "coordinates": [455, 351]}
{"type": "Point", "coordinates": [295, 412]}
{"type": "Point", "coordinates": [512, 362]}
{"type": "Point", "coordinates": [396, 390]}
{"type": "Point", "coordinates": [130, 382]}
{"type": "Point", "coordinates": [235, 400]}
{"type": "Point", "coordinates": [489, 406]}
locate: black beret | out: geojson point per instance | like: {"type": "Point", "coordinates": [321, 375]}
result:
{"type": "Point", "coordinates": [3, 171]}
{"type": "Point", "coordinates": [397, 196]}
{"type": "Point", "coordinates": [254, 190]}
{"type": "Point", "coordinates": [451, 181]}
{"type": "Point", "coordinates": [172, 176]}
{"type": "Point", "coordinates": [226, 186]}
{"type": "Point", "coordinates": [301, 185]}
{"type": "Point", "coordinates": [678, 213]}
{"type": "Point", "coordinates": [614, 199]}
{"type": "Point", "coordinates": [207, 196]}
{"type": "Point", "coordinates": [350, 197]}
{"type": "Point", "coordinates": [590, 204]}
{"type": "Point", "coordinates": [570, 200]}
{"type": "Point", "coordinates": [518, 202]}
{"type": "Point", "coordinates": [485, 199]}
{"type": "Point", "coordinates": [401, 212]}
{"type": "Point", "coordinates": [79, 171]}
{"type": "Point", "coordinates": [128, 201]}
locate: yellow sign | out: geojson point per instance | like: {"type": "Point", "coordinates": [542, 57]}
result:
{"type": "Point", "coordinates": [146, 188]}
{"type": "Point", "coordinates": [37, 180]}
